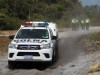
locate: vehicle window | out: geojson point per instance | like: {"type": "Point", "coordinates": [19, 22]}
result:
{"type": "Point", "coordinates": [51, 33]}
{"type": "Point", "coordinates": [33, 33]}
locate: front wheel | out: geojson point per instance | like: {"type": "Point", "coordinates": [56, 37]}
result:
{"type": "Point", "coordinates": [10, 64]}
{"type": "Point", "coordinates": [55, 54]}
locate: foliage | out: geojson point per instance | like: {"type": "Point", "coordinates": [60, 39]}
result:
{"type": "Point", "coordinates": [47, 10]}
{"type": "Point", "coordinates": [9, 23]}
{"type": "Point", "coordinates": [93, 12]}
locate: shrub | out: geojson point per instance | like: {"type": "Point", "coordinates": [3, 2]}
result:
{"type": "Point", "coordinates": [9, 23]}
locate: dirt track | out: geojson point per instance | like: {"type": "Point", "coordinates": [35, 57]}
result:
{"type": "Point", "coordinates": [70, 51]}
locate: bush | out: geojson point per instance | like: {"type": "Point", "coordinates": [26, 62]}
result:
{"type": "Point", "coordinates": [3, 15]}
{"type": "Point", "coordinates": [63, 23]}
{"type": "Point", "coordinates": [9, 23]}
{"type": "Point", "coordinates": [36, 17]}
{"type": "Point", "coordinates": [54, 12]}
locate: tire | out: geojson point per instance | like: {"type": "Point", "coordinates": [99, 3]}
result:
{"type": "Point", "coordinates": [10, 64]}
{"type": "Point", "coordinates": [55, 54]}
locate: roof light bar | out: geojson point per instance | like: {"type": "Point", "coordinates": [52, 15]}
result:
{"type": "Point", "coordinates": [35, 24]}
{"type": "Point", "coordinates": [44, 24]}
{"type": "Point", "coordinates": [27, 24]}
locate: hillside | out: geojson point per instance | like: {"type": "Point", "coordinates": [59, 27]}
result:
{"type": "Point", "coordinates": [13, 12]}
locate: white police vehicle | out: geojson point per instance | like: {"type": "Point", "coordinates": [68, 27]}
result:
{"type": "Point", "coordinates": [34, 41]}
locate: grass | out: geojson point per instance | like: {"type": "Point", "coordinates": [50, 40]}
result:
{"type": "Point", "coordinates": [4, 41]}
{"type": "Point", "coordinates": [94, 37]}
{"type": "Point", "coordinates": [92, 42]}
{"type": "Point", "coordinates": [60, 30]}
{"type": "Point", "coordinates": [93, 45]}
{"type": "Point", "coordinates": [94, 68]}
{"type": "Point", "coordinates": [7, 32]}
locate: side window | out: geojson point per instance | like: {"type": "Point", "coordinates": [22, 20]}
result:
{"type": "Point", "coordinates": [51, 34]}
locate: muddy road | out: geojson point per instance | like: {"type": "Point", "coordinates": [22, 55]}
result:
{"type": "Point", "coordinates": [70, 48]}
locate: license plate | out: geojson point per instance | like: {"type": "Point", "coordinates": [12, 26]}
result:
{"type": "Point", "coordinates": [28, 57]}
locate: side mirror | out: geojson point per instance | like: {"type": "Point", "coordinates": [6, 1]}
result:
{"type": "Point", "coordinates": [11, 36]}
{"type": "Point", "coordinates": [54, 37]}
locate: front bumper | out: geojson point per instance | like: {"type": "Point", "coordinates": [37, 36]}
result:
{"type": "Point", "coordinates": [30, 55]}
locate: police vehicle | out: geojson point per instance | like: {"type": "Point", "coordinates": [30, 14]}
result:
{"type": "Point", "coordinates": [34, 41]}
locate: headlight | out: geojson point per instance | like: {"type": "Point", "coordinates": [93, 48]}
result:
{"type": "Point", "coordinates": [12, 46]}
{"type": "Point", "coordinates": [46, 46]}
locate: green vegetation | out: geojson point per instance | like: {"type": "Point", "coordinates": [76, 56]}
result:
{"type": "Point", "coordinates": [14, 12]}
{"type": "Point", "coordinates": [9, 23]}
{"type": "Point", "coordinates": [93, 12]}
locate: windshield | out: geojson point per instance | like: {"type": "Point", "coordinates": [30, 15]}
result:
{"type": "Point", "coordinates": [33, 33]}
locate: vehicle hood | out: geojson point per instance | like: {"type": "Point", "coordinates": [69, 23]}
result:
{"type": "Point", "coordinates": [30, 41]}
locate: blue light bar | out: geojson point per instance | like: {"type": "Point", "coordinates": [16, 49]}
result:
{"type": "Point", "coordinates": [44, 24]}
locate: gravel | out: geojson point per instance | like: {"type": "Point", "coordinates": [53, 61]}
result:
{"type": "Point", "coordinates": [72, 58]}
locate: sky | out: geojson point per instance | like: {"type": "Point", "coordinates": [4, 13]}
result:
{"type": "Point", "coordinates": [90, 2]}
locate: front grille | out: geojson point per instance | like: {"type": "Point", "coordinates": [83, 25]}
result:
{"type": "Point", "coordinates": [28, 53]}
{"type": "Point", "coordinates": [28, 47]}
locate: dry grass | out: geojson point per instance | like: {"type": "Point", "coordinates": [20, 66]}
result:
{"type": "Point", "coordinates": [4, 41]}
{"type": "Point", "coordinates": [8, 32]}
{"type": "Point", "coordinates": [94, 68]}
{"type": "Point", "coordinates": [95, 36]}
{"type": "Point", "coordinates": [60, 30]}
{"type": "Point", "coordinates": [92, 42]}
